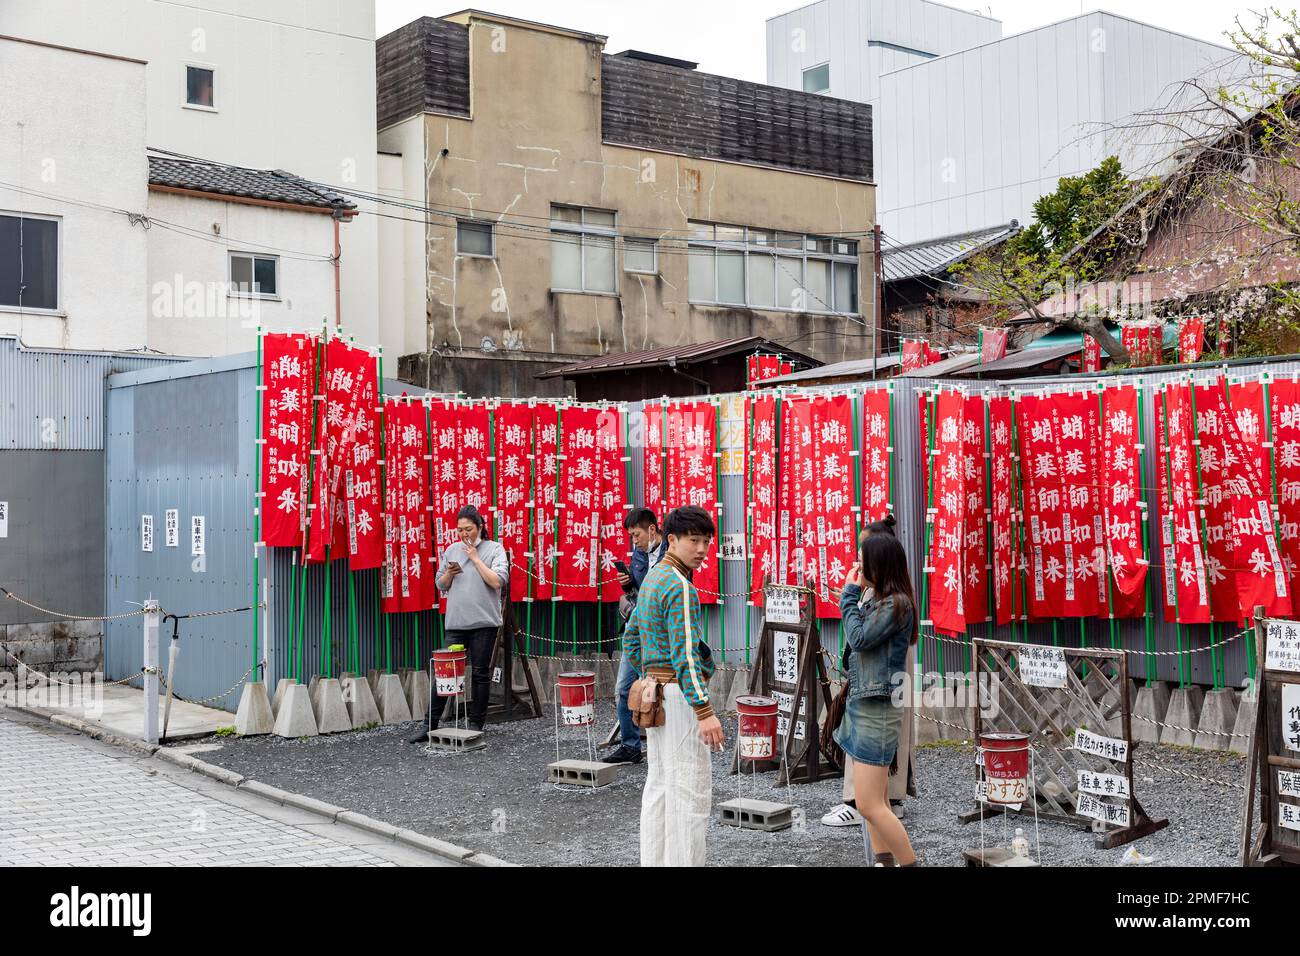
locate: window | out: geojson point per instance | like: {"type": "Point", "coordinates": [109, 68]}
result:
{"type": "Point", "coordinates": [254, 275]}
{"type": "Point", "coordinates": [474, 238]}
{"type": "Point", "coordinates": [582, 250]}
{"type": "Point", "coordinates": [198, 87]}
{"type": "Point", "coordinates": [766, 269]}
{"type": "Point", "coordinates": [639, 256]}
{"type": "Point", "coordinates": [817, 79]}
{"type": "Point", "coordinates": [29, 262]}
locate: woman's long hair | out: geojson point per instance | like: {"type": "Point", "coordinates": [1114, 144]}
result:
{"type": "Point", "coordinates": [884, 565]}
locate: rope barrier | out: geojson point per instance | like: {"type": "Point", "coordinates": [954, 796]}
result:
{"type": "Point", "coordinates": [71, 617]}
{"type": "Point", "coordinates": [46, 677]}
{"type": "Point", "coordinates": [1136, 653]}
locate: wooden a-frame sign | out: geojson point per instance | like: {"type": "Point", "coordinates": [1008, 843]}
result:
{"type": "Point", "coordinates": [1270, 772]}
{"type": "Point", "coordinates": [801, 680]}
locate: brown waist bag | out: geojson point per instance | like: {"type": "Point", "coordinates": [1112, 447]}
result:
{"type": "Point", "coordinates": [645, 699]}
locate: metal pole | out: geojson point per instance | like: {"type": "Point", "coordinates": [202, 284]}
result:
{"type": "Point", "coordinates": [152, 621]}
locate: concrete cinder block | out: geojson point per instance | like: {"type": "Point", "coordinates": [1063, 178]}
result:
{"type": "Point", "coordinates": [391, 700]}
{"type": "Point", "coordinates": [254, 716]}
{"type": "Point", "coordinates": [1243, 728]}
{"type": "Point", "coordinates": [582, 773]}
{"type": "Point", "coordinates": [457, 738]}
{"type": "Point", "coordinates": [359, 701]}
{"type": "Point", "coordinates": [295, 718]}
{"type": "Point", "coordinates": [756, 815]}
{"type": "Point", "coordinates": [1182, 716]}
{"type": "Point", "coordinates": [331, 712]}
{"type": "Point", "coordinates": [280, 685]}
{"type": "Point", "coordinates": [1150, 705]}
{"type": "Point", "coordinates": [1218, 718]}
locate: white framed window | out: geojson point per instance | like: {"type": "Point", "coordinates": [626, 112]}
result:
{"type": "Point", "coordinates": [255, 275]}
{"type": "Point", "coordinates": [817, 79]}
{"type": "Point", "coordinates": [767, 269]}
{"type": "Point", "coordinates": [582, 250]}
{"type": "Point", "coordinates": [641, 255]}
{"type": "Point", "coordinates": [475, 238]}
{"type": "Point", "coordinates": [200, 87]}
{"type": "Point", "coordinates": [31, 254]}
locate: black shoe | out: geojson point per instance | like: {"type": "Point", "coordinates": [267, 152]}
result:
{"type": "Point", "coordinates": [476, 725]}
{"type": "Point", "coordinates": [623, 754]}
{"type": "Point", "coordinates": [421, 736]}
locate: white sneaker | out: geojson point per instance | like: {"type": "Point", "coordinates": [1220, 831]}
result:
{"type": "Point", "coordinates": [842, 815]}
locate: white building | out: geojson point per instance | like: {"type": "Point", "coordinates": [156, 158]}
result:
{"type": "Point", "coordinates": [972, 137]}
{"type": "Point", "coordinates": [277, 84]}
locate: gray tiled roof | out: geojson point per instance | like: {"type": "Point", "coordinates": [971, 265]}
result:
{"type": "Point", "coordinates": [270, 184]}
{"type": "Point", "coordinates": [934, 255]}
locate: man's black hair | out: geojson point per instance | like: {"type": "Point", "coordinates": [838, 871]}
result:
{"type": "Point", "coordinates": [688, 520]}
{"type": "Point", "coordinates": [640, 518]}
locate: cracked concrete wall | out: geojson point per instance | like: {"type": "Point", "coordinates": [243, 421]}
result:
{"type": "Point", "coordinates": [534, 139]}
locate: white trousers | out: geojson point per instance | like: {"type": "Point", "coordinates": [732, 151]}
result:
{"type": "Point", "coordinates": [678, 794]}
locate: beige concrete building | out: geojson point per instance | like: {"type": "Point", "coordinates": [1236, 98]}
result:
{"type": "Point", "coordinates": [559, 202]}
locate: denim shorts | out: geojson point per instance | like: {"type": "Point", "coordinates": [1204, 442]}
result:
{"type": "Point", "coordinates": [869, 730]}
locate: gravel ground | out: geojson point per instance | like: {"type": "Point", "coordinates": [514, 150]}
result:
{"type": "Point", "coordinates": [497, 801]}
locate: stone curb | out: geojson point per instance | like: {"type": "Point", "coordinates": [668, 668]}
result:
{"type": "Point", "coordinates": [432, 845]}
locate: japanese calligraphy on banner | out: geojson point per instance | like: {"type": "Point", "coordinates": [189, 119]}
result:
{"type": "Point", "coordinates": [445, 502]}
{"type": "Point", "coordinates": [653, 464]}
{"type": "Point", "coordinates": [1284, 412]}
{"type": "Point", "coordinates": [408, 583]}
{"type": "Point", "coordinates": [1002, 509]}
{"type": "Point", "coordinates": [914, 356]}
{"type": "Point", "coordinates": [875, 452]}
{"type": "Point", "coordinates": [1191, 339]}
{"type": "Point", "coordinates": [797, 470]}
{"type": "Point", "coordinates": [760, 368]}
{"type": "Point", "coordinates": [613, 499]}
{"type": "Point", "coordinates": [513, 428]}
{"type": "Point", "coordinates": [1091, 361]}
{"type": "Point", "coordinates": [1181, 514]}
{"type": "Point", "coordinates": [947, 534]}
{"type": "Point", "coordinates": [731, 435]}
{"type": "Point", "coordinates": [1122, 501]}
{"type": "Point", "coordinates": [975, 548]}
{"type": "Point", "coordinates": [288, 378]}
{"type": "Point", "coordinates": [692, 477]}
{"type": "Point", "coordinates": [1212, 458]}
{"type": "Point", "coordinates": [578, 546]}
{"type": "Point", "coordinates": [351, 398]}
{"type": "Point", "coordinates": [993, 344]}
{"type": "Point", "coordinates": [1144, 343]}
{"type": "Point", "coordinates": [834, 537]}
{"type": "Point", "coordinates": [546, 419]}
{"type": "Point", "coordinates": [762, 486]}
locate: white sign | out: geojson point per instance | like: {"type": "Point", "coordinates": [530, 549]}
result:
{"type": "Point", "coordinates": [982, 795]}
{"type": "Point", "coordinates": [1291, 716]}
{"type": "Point", "coordinates": [173, 527]}
{"type": "Point", "coordinates": [1283, 652]}
{"type": "Point", "coordinates": [785, 657]}
{"type": "Point", "coordinates": [1100, 746]}
{"type": "Point", "coordinates": [781, 606]}
{"type": "Point", "coordinates": [1116, 813]}
{"type": "Point", "coordinates": [732, 548]}
{"type": "Point", "coordinates": [1041, 665]}
{"type": "Point", "coordinates": [1103, 784]}
{"type": "Point", "coordinates": [4, 519]}
{"type": "Point", "coordinates": [1288, 783]}
{"type": "Point", "coordinates": [146, 532]}
{"type": "Point", "coordinates": [783, 727]}
{"type": "Point", "coordinates": [197, 535]}
{"type": "Point", "coordinates": [785, 703]}
{"type": "Point", "coordinates": [1288, 815]}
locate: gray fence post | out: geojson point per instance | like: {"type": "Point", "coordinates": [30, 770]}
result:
{"type": "Point", "coordinates": [152, 622]}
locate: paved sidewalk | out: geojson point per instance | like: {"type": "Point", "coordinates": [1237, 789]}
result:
{"type": "Point", "coordinates": [67, 800]}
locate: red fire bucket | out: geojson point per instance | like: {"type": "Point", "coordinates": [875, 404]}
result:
{"type": "Point", "coordinates": [577, 697]}
{"type": "Point", "coordinates": [1006, 765]}
{"type": "Point", "coordinates": [449, 672]}
{"type": "Point", "coordinates": [757, 727]}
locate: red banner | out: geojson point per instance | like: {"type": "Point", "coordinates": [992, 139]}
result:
{"type": "Point", "coordinates": [761, 458]}
{"type": "Point", "coordinates": [1144, 343]}
{"type": "Point", "coordinates": [1091, 354]}
{"type": "Point", "coordinates": [1002, 509]}
{"type": "Point", "coordinates": [579, 517]}
{"type": "Point", "coordinates": [288, 379]}
{"type": "Point", "coordinates": [762, 367]}
{"type": "Point", "coordinates": [1212, 460]}
{"type": "Point", "coordinates": [993, 344]}
{"type": "Point", "coordinates": [947, 536]}
{"type": "Point", "coordinates": [975, 547]}
{"type": "Point", "coordinates": [613, 500]}
{"type": "Point", "coordinates": [913, 355]}
{"type": "Point", "coordinates": [834, 531]}
{"type": "Point", "coordinates": [876, 455]}
{"type": "Point", "coordinates": [1182, 517]}
{"type": "Point", "coordinates": [1121, 501]}
{"type": "Point", "coordinates": [652, 464]}
{"type": "Point", "coordinates": [409, 568]}
{"type": "Point", "coordinates": [1191, 339]}
{"type": "Point", "coordinates": [546, 499]}
{"type": "Point", "coordinates": [350, 401]}
{"type": "Point", "coordinates": [513, 427]}
{"type": "Point", "coordinates": [693, 477]}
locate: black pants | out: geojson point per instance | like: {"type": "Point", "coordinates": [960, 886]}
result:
{"type": "Point", "coordinates": [479, 641]}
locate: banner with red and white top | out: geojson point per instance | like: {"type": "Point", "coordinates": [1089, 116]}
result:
{"type": "Point", "coordinates": [288, 382]}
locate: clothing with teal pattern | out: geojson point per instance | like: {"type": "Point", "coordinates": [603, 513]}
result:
{"type": "Point", "coordinates": [657, 636]}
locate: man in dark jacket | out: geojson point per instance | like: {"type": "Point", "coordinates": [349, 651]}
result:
{"type": "Point", "coordinates": [648, 546]}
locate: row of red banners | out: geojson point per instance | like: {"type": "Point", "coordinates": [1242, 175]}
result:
{"type": "Point", "coordinates": [760, 368]}
{"type": "Point", "coordinates": [1064, 510]}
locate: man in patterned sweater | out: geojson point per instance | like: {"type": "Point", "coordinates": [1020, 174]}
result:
{"type": "Point", "coordinates": [665, 640]}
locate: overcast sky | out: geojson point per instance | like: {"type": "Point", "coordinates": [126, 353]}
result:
{"type": "Point", "coordinates": [727, 36]}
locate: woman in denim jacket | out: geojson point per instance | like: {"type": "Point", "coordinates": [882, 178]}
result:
{"type": "Point", "coordinates": [877, 635]}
